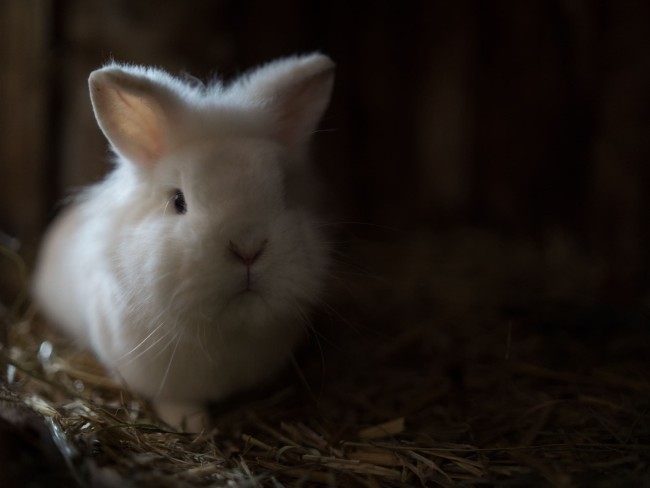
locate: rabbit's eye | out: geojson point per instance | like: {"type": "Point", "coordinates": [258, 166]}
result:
{"type": "Point", "coordinates": [179, 202]}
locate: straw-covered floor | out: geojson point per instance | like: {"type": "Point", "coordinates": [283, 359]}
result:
{"type": "Point", "coordinates": [456, 361]}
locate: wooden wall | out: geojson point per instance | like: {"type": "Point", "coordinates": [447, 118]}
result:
{"type": "Point", "coordinates": [25, 151]}
{"type": "Point", "coordinates": [530, 119]}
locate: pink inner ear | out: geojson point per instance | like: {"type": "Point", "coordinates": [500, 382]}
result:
{"type": "Point", "coordinates": [135, 126]}
{"type": "Point", "coordinates": [289, 126]}
{"type": "Point", "coordinates": [301, 107]}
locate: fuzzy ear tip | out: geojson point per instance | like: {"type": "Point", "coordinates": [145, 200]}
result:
{"type": "Point", "coordinates": [95, 77]}
{"type": "Point", "coordinates": [117, 75]}
{"type": "Point", "coordinates": [98, 80]}
{"type": "Point", "coordinates": [322, 61]}
{"type": "Point", "coordinates": [103, 75]}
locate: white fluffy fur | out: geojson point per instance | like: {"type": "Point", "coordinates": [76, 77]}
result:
{"type": "Point", "coordinates": [160, 296]}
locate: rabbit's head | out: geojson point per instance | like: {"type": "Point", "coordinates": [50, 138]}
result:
{"type": "Point", "coordinates": [209, 198]}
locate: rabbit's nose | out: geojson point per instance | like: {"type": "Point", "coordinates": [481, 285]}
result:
{"type": "Point", "coordinates": [247, 254]}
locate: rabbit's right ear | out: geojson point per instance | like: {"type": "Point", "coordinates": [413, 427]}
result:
{"type": "Point", "coordinates": [134, 111]}
{"type": "Point", "coordinates": [296, 90]}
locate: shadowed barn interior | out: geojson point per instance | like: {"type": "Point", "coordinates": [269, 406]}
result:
{"type": "Point", "coordinates": [484, 169]}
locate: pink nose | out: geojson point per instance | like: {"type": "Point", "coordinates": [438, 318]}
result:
{"type": "Point", "coordinates": [246, 257]}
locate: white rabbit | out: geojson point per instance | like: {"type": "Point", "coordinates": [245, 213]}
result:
{"type": "Point", "coordinates": [191, 268]}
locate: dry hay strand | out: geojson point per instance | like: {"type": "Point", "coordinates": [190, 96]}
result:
{"type": "Point", "coordinates": [474, 394]}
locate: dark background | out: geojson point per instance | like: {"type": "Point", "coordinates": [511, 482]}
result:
{"type": "Point", "coordinates": [529, 120]}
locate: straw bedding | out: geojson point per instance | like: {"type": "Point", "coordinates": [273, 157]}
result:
{"type": "Point", "coordinates": [455, 360]}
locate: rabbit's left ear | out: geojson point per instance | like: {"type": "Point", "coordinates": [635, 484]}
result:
{"type": "Point", "coordinates": [296, 90]}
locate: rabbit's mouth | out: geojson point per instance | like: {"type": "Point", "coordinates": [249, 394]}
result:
{"type": "Point", "coordinates": [247, 296]}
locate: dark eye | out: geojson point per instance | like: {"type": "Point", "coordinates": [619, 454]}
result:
{"type": "Point", "coordinates": [179, 202]}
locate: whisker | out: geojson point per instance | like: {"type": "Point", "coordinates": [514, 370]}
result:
{"type": "Point", "coordinates": [169, 365]}
{"type": "Point", "coordinates": [171, 337]}
{"type": "Point", "coordinates": [335, 313]}
{"type": "Point", "coordinates": [149, 347]}
{"type": "Point", "coordinates": [121, 358]}
{"type": "Point", "coordinates": [318, 336]}
{"type": "Point", "coordinates": [202, 336]}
